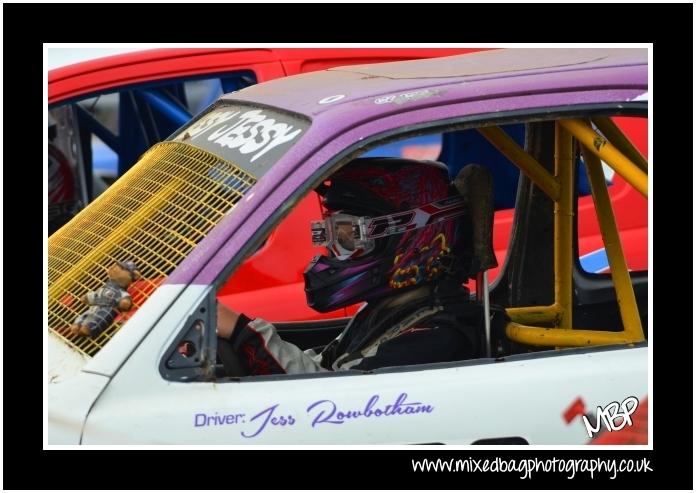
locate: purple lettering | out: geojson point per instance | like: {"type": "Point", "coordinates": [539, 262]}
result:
{"type": "Point", "coordinates": [202, 419]}
{"type": "Point", "coordinates": [326, 414]}
{"type": "Point", "coordinates": [370, 404]}
{"type": "Point", "coordinates": [264, 421]}
{"type": "Point", "coordinates": [326, 411]}
{"type": "Point", "coordinates": [267, 416]}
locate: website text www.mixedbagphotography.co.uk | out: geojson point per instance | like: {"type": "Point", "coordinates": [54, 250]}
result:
{"type": "Point", "coordinates": [527, 467]}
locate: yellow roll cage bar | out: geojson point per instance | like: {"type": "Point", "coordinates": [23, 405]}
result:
{"type": "Point", "coordinates": [622, 157]}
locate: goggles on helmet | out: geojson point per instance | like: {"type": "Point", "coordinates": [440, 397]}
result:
{"type": "Point", "coordinates": [349, 236]}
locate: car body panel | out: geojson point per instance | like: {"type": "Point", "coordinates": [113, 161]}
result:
{"type": "Point", "coordinates": [527, 397]}
{"type": "Point", "coordinates": [70, 402]}
{"type": "Point", "coordinates": [621, 69]}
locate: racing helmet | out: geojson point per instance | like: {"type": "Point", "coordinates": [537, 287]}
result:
{"type": "Point", "coordinates": [390, 224]}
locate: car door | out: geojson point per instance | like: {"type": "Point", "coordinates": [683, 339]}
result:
{"type": "Point", "coordinates": [521, 400]}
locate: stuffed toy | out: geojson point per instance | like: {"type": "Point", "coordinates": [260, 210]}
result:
{"type": "Point", "coordinates": [106, 302]}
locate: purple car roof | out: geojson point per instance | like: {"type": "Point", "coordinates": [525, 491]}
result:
{"type": "Point", "coordinates": [480, 75]}
{"type": "Point", "coordinates": [350, 103]}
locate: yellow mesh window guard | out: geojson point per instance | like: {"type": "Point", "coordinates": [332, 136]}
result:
{"type": "Point", "coordinates": [154, 215]}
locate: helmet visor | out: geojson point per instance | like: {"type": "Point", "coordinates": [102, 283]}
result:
{"type": "Point", "coordinates": [343, 235]}
{"type": "Point", "coordinates": [349, 236]}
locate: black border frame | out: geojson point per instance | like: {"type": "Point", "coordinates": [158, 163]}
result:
{"type": "Point", "coordinates": [26, 26]}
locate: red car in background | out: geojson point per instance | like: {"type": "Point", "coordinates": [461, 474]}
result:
{"type": "Point", "coordinates": [113, 109]}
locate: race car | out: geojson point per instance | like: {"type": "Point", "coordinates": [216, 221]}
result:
{"type": "Point", "coordinates": [115, 108]}
{"type": "Point", "coordinates": [205, 200]}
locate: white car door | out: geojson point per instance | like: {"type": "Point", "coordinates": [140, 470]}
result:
{"type": "Point", "coordinates": [523, 397]}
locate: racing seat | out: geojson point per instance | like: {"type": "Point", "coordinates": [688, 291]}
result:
{"type": "Point", "coordinates": [475, 184]}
